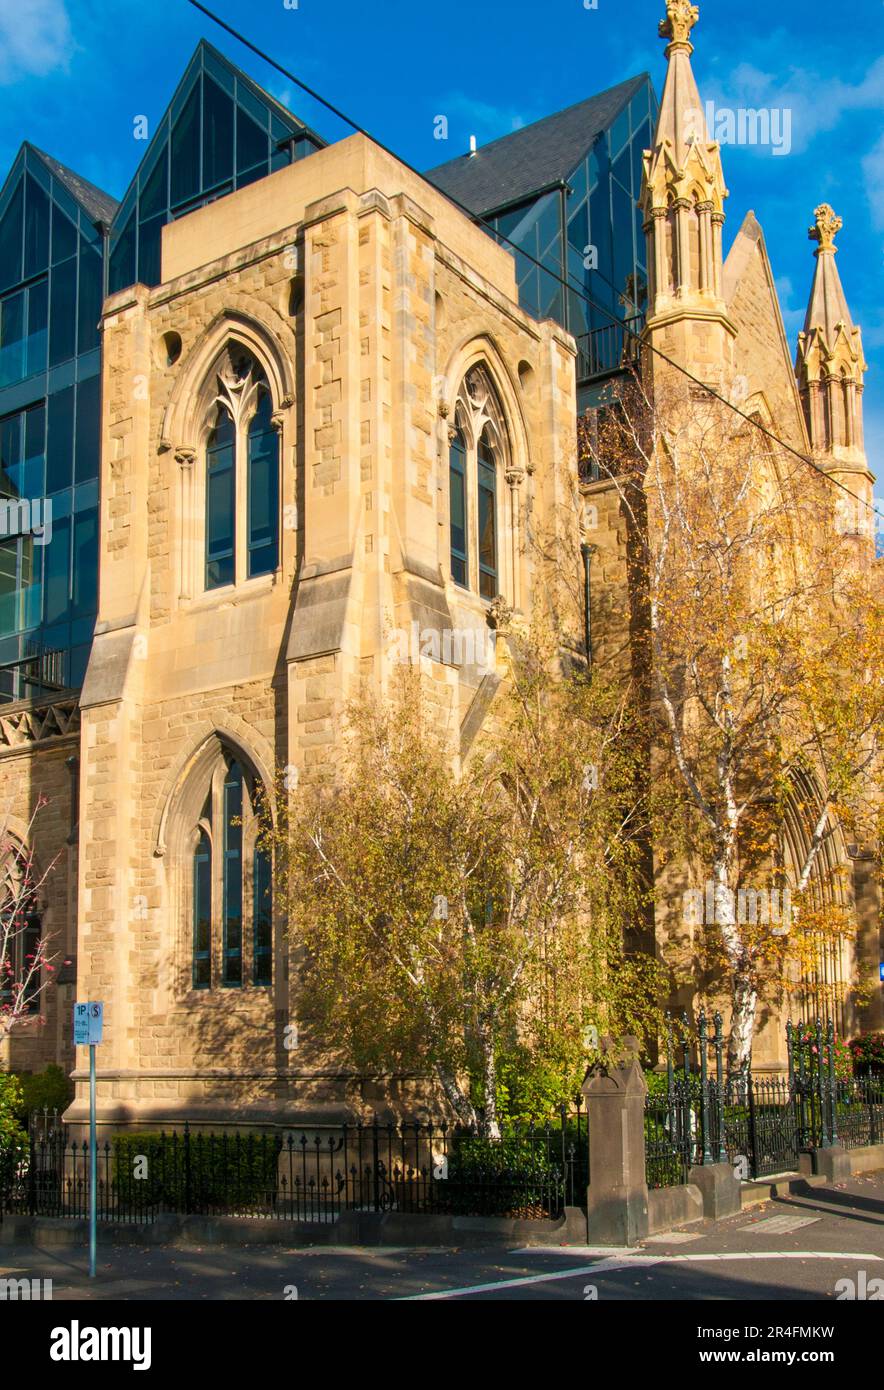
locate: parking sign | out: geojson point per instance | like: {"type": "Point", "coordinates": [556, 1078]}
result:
{"type": "Point", "coordinates": [88, 1023]}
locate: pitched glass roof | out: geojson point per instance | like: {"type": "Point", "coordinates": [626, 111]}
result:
{"type": "Point", "coordinates": [516, 166]}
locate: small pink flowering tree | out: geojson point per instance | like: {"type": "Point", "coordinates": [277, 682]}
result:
{"type": "Point", "coordinates": [27, 967]}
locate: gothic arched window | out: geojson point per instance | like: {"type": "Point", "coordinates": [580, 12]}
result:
{"type": "Point", "coordinates": [479, 447]}
{"type": "Point", "coordinates": [231, 889]}
{"type": "Point", "coordinates": [242, 475]}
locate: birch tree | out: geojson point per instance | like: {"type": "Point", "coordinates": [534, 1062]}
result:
{"type": "Point", "coordinates": [449, 918]}
{"type": "Point", "coordinates": [764, 640]}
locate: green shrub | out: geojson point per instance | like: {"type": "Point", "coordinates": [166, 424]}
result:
{"type": "Point", "coordinates": [512, 1176]}
{"type": "Point", "coordinates": [51, 1089]}
{"type": "Point", "coordinates": [212, 1171]}
{"type": "Point", "coordinates": [10, 1110]}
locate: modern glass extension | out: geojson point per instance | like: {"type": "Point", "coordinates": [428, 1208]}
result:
{"type": "Point", "coordinates": [64, 245]}
{"type": "Point", "coordinates": [220, 132]}
{"type": "Point", "coordinates": [576, 214]}
{"type": "Point", "coordinates": [51, 291]}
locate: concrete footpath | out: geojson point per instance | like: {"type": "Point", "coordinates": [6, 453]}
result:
{"type": "Point", "coordinates": [824, 1243]}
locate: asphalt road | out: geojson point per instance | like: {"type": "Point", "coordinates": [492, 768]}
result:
{"type": "Point", "coordinates": [829, 1235]}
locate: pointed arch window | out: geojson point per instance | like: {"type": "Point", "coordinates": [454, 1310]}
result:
{"type": "Point", "coordinates": [231, 885]}
{"type": "Point", "coordinates": [242, 485]}
{"type": "Point", "coordinates": [457, 484]}
{"type": "Point", "coordinates": [479, 449]}
{"type": "Point", "coordinates": [487, 490]}
{"type": "Point", "coordinates": [263, 490]}
{"type": "Point", "coordinates": [202, 912]}
{"type": "Point", "coordinates": [221, 502]}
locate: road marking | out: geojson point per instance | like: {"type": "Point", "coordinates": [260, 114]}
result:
{"type": "Point", "coordinates": [780, 1225]}
{"type": "Point", "coordinates": [631, 1262]}
{"type": "Point", "coordinates": [674, 1238]}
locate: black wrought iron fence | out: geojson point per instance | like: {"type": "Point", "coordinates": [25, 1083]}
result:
{"type": "Point", "coordinates": [305, 1175]}
{"type": "Point", "coordinates": [760, 1124]}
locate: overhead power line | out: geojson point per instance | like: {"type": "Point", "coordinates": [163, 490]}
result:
{"type": "Point", "coordinates": [574, 288]}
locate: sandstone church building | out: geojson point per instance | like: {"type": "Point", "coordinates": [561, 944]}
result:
{"type": "Point", "coordinates": [285, 397]}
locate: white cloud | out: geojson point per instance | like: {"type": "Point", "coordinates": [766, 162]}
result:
{"type": "Point", "coordinates": [35, 38]}
{"type": "Point", "coordinates": [817, 103]}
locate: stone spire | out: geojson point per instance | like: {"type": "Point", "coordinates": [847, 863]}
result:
{"type": "Point", "coordinates": [830, 366]}
{"type": "Point", "coordinates": [682, 197]}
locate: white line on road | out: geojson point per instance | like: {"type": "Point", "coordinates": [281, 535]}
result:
{"type": "Point", "coordinates": [632, 1262]}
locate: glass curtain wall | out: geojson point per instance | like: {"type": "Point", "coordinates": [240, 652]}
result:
{"type": "Point", "coordinates": [219, 133]}
{"type": "Point", "coordinates": [598, 221]}
{"type": "Point", "coordinates": [51, 291]}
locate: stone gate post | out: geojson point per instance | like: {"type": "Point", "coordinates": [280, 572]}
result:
{"type": "Point", "coordinates": [617, 1194]}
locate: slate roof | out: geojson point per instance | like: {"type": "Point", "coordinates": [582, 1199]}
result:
{"type": "Point", "coordinates": [100, 206]}
{"type": "Point", "coordinates": [514, 167]}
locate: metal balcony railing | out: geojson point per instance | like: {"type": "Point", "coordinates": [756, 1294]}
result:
{"type": "Point", "coordinates": [608, 349]}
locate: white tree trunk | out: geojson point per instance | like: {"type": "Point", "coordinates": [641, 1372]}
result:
{"type": "Point", "coordinates": [744, 995]}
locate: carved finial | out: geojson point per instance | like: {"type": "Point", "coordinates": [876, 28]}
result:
{"type": "Point", "coordinates": [681, 16]}
{"type": "Point", "coordinates": [826, 227]}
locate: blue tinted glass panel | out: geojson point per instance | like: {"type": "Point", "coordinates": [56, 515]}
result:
{"type": "Point", "coordinates": [60, 443]}
{"type": "Point", "coordinates": [263, 492]}
{"type": "Point", "coordinates": [624, 258]}
{"type": "Point", "coordinates": [10, 457]}
{"type": "Point", "coordinates": [34, 465]}
{"type": "Point", "coordinates": [457, 504]}
{"type": "Point", "coordinates": [63, 313]}
{"type": "Point", "coordinates": [640, 142]}
{"type": "Point", "coordinates": [487, 522]}
{"type": "Point", "coordinates": [90, 300]}
{"type": "Point", "coordinates": [36, 229]}
{"type": "Point", "coordinates": [220, 508]}
{"type": "Point", "coordinates": [620, 132]}
{"type": "Point", "coordinates": [149, 248]}
{"type": "Point", "coordinates": [185, 157]}
{"type": "Point", "coordinates": [232, 881]}
{"type": "Point", "coordinates": [262, 920]}
{"type": "Point", "coordinates": [38, 327]}
{"type": "Point", "coordinates": [622, 168]}
{"type": "Point", "coordinates": [11, 239]}
{"type": "Point", "coordinates": [57, 572]}
{"type": "Point", "coordinates": [251, 143]}
{"type": "Point", "coordinates": [202, 913]}
{"type": "Point", "coordinates": [12, 337]}
{"type": "Point", "coordinates": [217, 134]}
{"type": "Point", "coordinates": [85, 575]}
{"type": "Point", "coordinates": [88, 422]}
{"type": "Point", "coordinates": [64, 236]}
{"type": "Point", "coordinates": [122, 260]}
{"type": "Point", "coordinates": [77, 661]}
{"type": "Point", "coordinates": [578, 230]}
{"type": "Point", "coordinates": [154, 192]}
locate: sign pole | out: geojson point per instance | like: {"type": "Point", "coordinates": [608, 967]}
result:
{"type": "Point", "coordinates": [88, 1031]}
{"type": "Point", "coordinates": [93, 1165]}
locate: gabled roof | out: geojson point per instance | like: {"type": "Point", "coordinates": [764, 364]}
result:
{"type": "Point", "coordinates": [295, 124]}
{"type": "Point", "coordinates": [511, 169]}
{"type": "Point", "coordinates": [99, 206]}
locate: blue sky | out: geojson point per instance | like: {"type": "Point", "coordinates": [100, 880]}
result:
{"type": "Point", "coordinates": [74, 75]}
